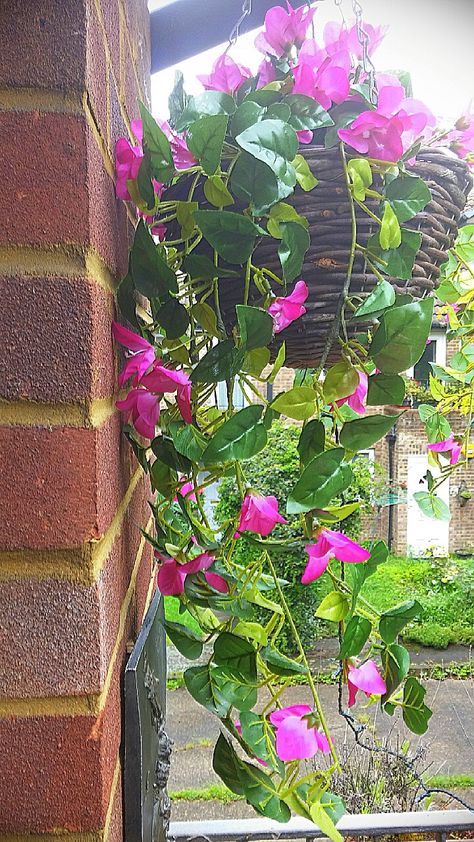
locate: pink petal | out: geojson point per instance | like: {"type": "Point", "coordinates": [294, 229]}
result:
{"type": "Point", "coordinates": [129, 339]}
{"type": "Point", "coordinates": [279, 716]}
{"type": "Point", "coordinates": [200, 562]}
{"type": "Point", "coordinates": [259, 514]}
{"type": "Point", "coordinates": [171, 578]}
{"type": "Point", "coordinates": [352, 692]}
{"type": "Point", "coordinates": [217, 582]}
{"type": "Point", "coordinates": [344, 549]}
{"type": "Point", "coordinates": [316, 565]}
{"type": "Point", "coordinates": [295, 740]}
{"type": "Point", "coordinates": [367, 678]}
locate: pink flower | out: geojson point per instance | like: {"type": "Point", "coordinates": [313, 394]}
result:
{"type": "Point", "coordinates": [366, 678]}
{"type": "Point", "coordinates": [172, 575]}
{"type": "Point", "coordinates": [461, 139]}
{"type": "Point", "coordinates": [127, 163]}
{"type": "Point", "coordinates": [186, 489]}
{"type": "Point", "coordinates": [330, 545]}
{"type": "Point", "coordinates": [296, 739]}
{"type": "Point", "coordinates": [142, 357]}
{"type": "Point", "coordinates": [356, 400]}
{"type": "Point", "coordinates": [285, 310]}
{"type": "Point", "coordinates": [259, 514]}
{"type": "Point", "coordinates": [283, 29]}
{"type": "Point", "coordinates": [327, 81]}
{"type": "Point", "coordinates": [374, 135]}
{"type": "Point", "coordinates": [449, 445]}
{"type": "Point", "coordinates": [226, 75]}
{"type": "Point", "coordinates": [162, 379]}
{"type": "Point", "coordinates": [182, 157]}
{"type": "Point", "coordinates": [266, 73]}
{"type": "Point", "coordinates": [143, 409]}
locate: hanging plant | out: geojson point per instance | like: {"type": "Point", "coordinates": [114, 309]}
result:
{"type": "Point", "coordinates": [294, 216]}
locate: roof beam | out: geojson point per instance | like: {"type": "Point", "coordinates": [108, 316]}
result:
{"type": "Point", "coordinates": [184, 28]}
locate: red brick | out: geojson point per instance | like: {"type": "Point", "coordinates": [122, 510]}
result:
{"type": "Point", "coordinates": [147, 569]}
{"type": "Point", "coordinates": [57, 637]}
{"type": "Point", "coordinates": [44, 196]}
{"type": "Point", "coordinates": [43, 44]}
{"type": "Point", "coordinates": [61, 348]}
{"type": "Point", "coordinates": [69, 481]}
{"type": "Point", "coordinates": [115, 833]}
{"type": "Point", "coordinates": [108, 230]}
{"type": "Point", "coordinates": [58, 770]}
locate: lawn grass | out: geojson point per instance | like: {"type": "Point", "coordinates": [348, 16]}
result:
{"type": "Point", "coordinates": [172, 613]}
{"type": "Point", "coordinates": [212, 792]}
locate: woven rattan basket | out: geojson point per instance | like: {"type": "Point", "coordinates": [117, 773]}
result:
{"type": "Point", "coordinates": [327, 209]}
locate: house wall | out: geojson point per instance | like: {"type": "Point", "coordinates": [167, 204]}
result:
{"type": "Point", "coordinates": [75, 576]}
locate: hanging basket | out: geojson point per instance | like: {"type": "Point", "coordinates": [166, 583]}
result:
{"type": "Point", "coordinates": [327, 210]}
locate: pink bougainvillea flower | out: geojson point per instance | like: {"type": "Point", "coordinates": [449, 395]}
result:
{"type": "Point", "coordinates": [172, 575]}
{"type": "Point", "coordinates": [259, 514]}
{"type": "Point", "coordinates": [127, 163]}
{"type": "Point", "coordinates": [266, 73]}
{"type": "Point", "coordinates": [142, 353]}
{"type": "Point", "coordinates": [226, 75]}
{"type": "Point", "coordinates": [296, 739]}
{"type": "Point", "coordinates": [182, 157]}
{"type": "Point", "coordinates": [284, 29]}
{"type": "Point", "coordinates": [162, 379]}
{"type": "Point", "coordinates": [331, 544]}
{"type": "Point", "coordinates": [326, 82]}
{"type": "Point", "coordinates": [461, 138]}
{"type": "Point", "coordinates": [375, 135]}
{"type": "Point", "coordinates": [449, 445]}
{"type": "Point", "coordinates": [366, 678]}
{"type": "Point", "coordinates": [285, 310]}
{"type": "Point", "coordinates": [337, 36]}
{"type": "Point", "coordinates": [186, 489]}
{"type": "Point", "coordinates": [143, 409]}
{"type": "Point", "coordinates": [356, 401]}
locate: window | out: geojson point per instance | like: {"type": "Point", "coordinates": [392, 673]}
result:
{"type": "Point", "coordinates": [435, 352]}
{"type": "Point", "coordinates": [238, 396]}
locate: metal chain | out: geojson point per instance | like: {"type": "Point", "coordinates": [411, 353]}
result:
{"type": "Point", "coordinates": [246, 11]}
{"type": "Point", "coordinates": [338, 4]}
{"type": "Point", "coordinates": [367, 62]}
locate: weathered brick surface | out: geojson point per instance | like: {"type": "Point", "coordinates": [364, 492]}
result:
{"type": "Point", "coordinates": [61, 347]}
{"type": "Point", "coordinates": [68, 483]}
{"type": "Point", "coordinates": [43, 44]}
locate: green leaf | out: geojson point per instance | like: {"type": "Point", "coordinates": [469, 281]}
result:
{"type": "Point", "coordinates": [232, 235]}
{"type": "Point", "coordinates": [173, 316]}
{"type": "Point", "coordinates": [225, 763]}
{"type": "Point", "coordinates": [385, 389]}
{"type": "Point", "coordinates": [261, 793]}
{"type": "Point", "coordinates": [151, 274]}
{"type": "Point", "coordinates": [341, 381]}
{"type": "Point", "coordinates": [381, 298]}
{"type": "Point", "coordinates": [334, 514]}
{"type": "Point", "coordinates": [164, 449]}
{"type": "Point", "coordinates": [255, 326]}
{"type": "Point", "coordinates": [274, 143]}
{"type": "Point", "coordinates": [277, 365]}
{"type": "Point", "coordinates": [432, 506]}
{"type": "Point", "coordinates": [256, 360]}
{"type": "Point", "coordinates": [217, 193]}
{"type": "Point", "coordinates": [293, 247]}
{"type": "Point", "coordinates": [253, 182]}
{"type": "Point", "coordinates": [235, 653]}
{"type": "Point", "coordinates": [416, 714]}
{"type": "Point", "coordinates": [178, 99]}
{"type": "Point", "coordinates": [334, 607]}
{"type": "Point", "coordinates": [333, 805]}
{"type": "Point", "coordinates": [397, 262]}
{"type": "Point", "coordinates": [234, 687]}
{"type": "Point", "coordinates": [323, 478]}
{"type": "Point", "coordinates": [126, 300]}
{"type": "Point", "coordinates": [392, 622]}
{"type": "Point", "coordinates": [144, 184]}
{"type": "Point", "coordinates": [205, 139]}
{"type": "Point", "coordinates": [202, 688]}
{"type": "Point", "coordinates": [306, 113]}
{"type": "Point", "coordinates": [360, 174]}
{"type": "Point", "coordinates": [298, 403]}
{"type": "Point", "coordinates": [201, 266]}
{"type": "Point", "coordinates": [222, 362]}
{"type": "Point", "coordinates": [321, 818]}
{"type": "Point", "coordinates": [258, 735]}
{"type": "Point", "coordinates": [185, 640]}
{"type": "Point", "coordinates": [437, 427]}
{"type": "Point", "coordinates": [355, 637]}
{"type": "Point", "coordinates": [396, 662]}
{"type": "Point", "coordinates": [362, 433]}
{"type": "Point", "coordinates": [157, 145]}
{"type": "Point", "coordinates": [311, 441]}
{"type": "Point", "coordinates": [253, 630]}
{"type": "Point", "coordinates": [390, 235]}
{"type": "Point", "coordinates": [189, 441]}
{"type": "Point", "coordinates": [281, 665]}
{"type": "Point", "coordinates": [407, 195]}
{"type": "Point", "coordinates": [401, 337]}
{"type": "Point", "coordinates": [185, 216]}
{"type": "Point", "coordinates": [162, 478]}
{"type": "Point", "coordinates": [241, 437]}
{"type": "Point", "coordinates": [206, 104]}
{"type": "Point", "coordinates": [304, 176]}
{"type": "Point", "coordinates": [246, 115]}
{"type": "Point", "coordinates": [283, 212]}
{"type": "Point", "coordinates": [206, 316]}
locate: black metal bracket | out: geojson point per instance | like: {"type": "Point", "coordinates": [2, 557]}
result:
{"type": "Point", "coordinates": [184, 28]}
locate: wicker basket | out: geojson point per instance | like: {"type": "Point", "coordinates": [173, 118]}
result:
{"type": "Point", "coordinates": [327, 209]}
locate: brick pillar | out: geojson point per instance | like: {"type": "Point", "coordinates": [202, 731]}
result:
{"type": "Point", "coordinates": [75, 576]}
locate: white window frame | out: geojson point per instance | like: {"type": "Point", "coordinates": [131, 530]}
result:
{"type": "Point", "coordinates": [221, 396]}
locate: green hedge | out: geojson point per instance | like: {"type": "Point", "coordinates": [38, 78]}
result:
{"type": "Point", "coordinates": [275, 471]}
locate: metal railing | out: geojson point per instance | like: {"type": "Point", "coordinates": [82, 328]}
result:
{"type": "Point", "coordinates": [437, 824]}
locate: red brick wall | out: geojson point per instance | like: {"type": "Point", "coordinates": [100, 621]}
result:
{"type": "Point", "coordinates": [75, 576]}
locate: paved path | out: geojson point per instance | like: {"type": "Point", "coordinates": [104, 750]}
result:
{"type": "Point", "coordinates": [449, 742]}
